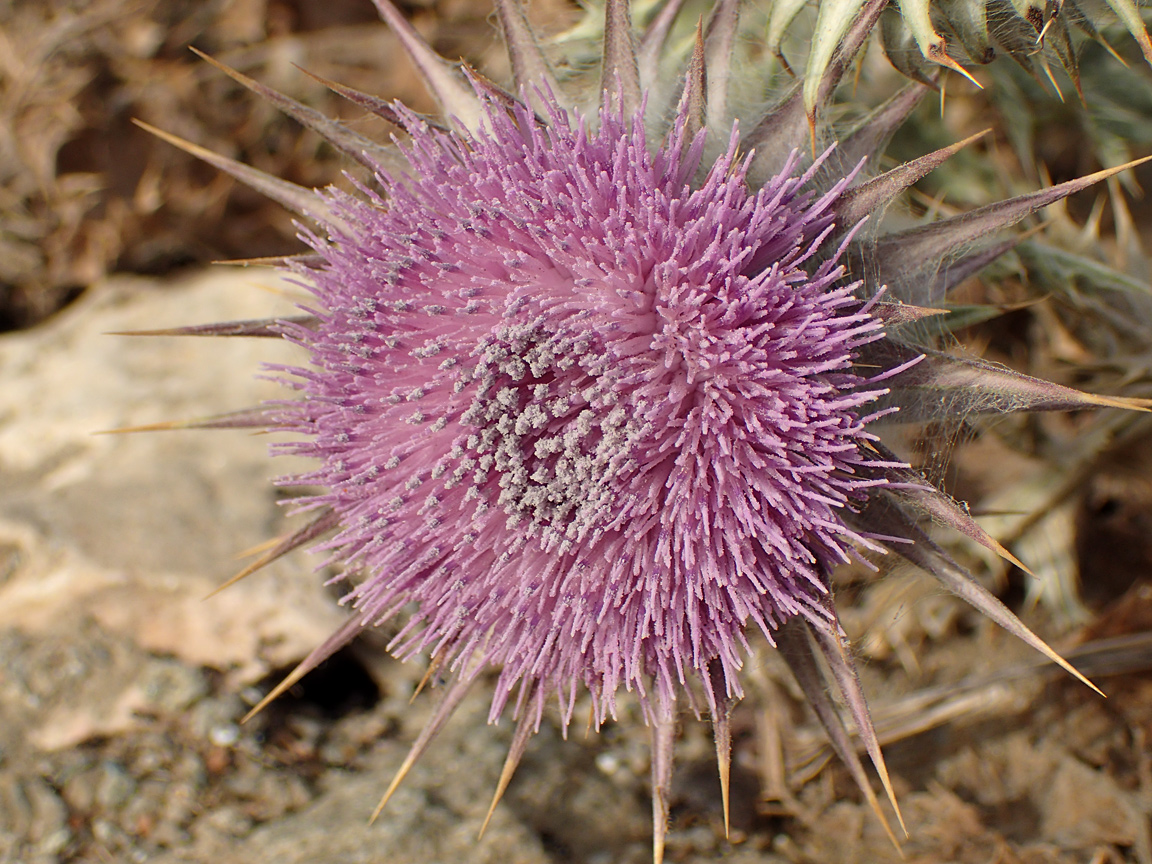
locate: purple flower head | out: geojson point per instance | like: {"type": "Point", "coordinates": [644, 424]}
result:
{"type": "Point", "coordinates": [591, 398]}
{"type": "Point", "coordinates": [592, 421]}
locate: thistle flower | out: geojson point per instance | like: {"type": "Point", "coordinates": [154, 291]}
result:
{"type": "Point", "coordinates": [593, 397]}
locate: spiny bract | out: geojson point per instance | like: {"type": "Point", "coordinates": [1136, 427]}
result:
{"type": "Point", "coordinates": [590, 394]}
{"type": "Point", "coordinates": [918, 37]}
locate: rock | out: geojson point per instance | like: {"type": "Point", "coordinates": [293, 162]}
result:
{"type": "Point", "coordinates": [136, 530]}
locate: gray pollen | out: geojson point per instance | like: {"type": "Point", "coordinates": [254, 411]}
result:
{"type": "Point", "coordinates": [553, 438]}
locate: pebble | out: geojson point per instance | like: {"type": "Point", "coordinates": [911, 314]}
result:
{"type": "Point", "coordinates": [15, 809]}
{"type": "Point", "coordinates": [225, 735]}
{"type": "Point", "coordinates": [30, 810]}
{"type": "Point", "coordinates": [228, 821]}
{"type": "Point", "coordinates": [207, 717]}
{"type": "Point", "coordinates": [114, 786]}
{"type": "Point", "coordinates": [79, 789]}
{"type": "Point", "coordinates": [172, 687]}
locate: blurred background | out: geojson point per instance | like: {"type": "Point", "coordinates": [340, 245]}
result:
{"type": "Point", "coordinates": [121, 688]}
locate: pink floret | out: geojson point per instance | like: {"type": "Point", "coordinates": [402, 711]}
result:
{"type": "Point", "coordinates": [581, 417]}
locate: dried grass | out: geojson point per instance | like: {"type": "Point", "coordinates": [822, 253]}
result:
{"type": "Point", "coordinates": [83, 192]}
